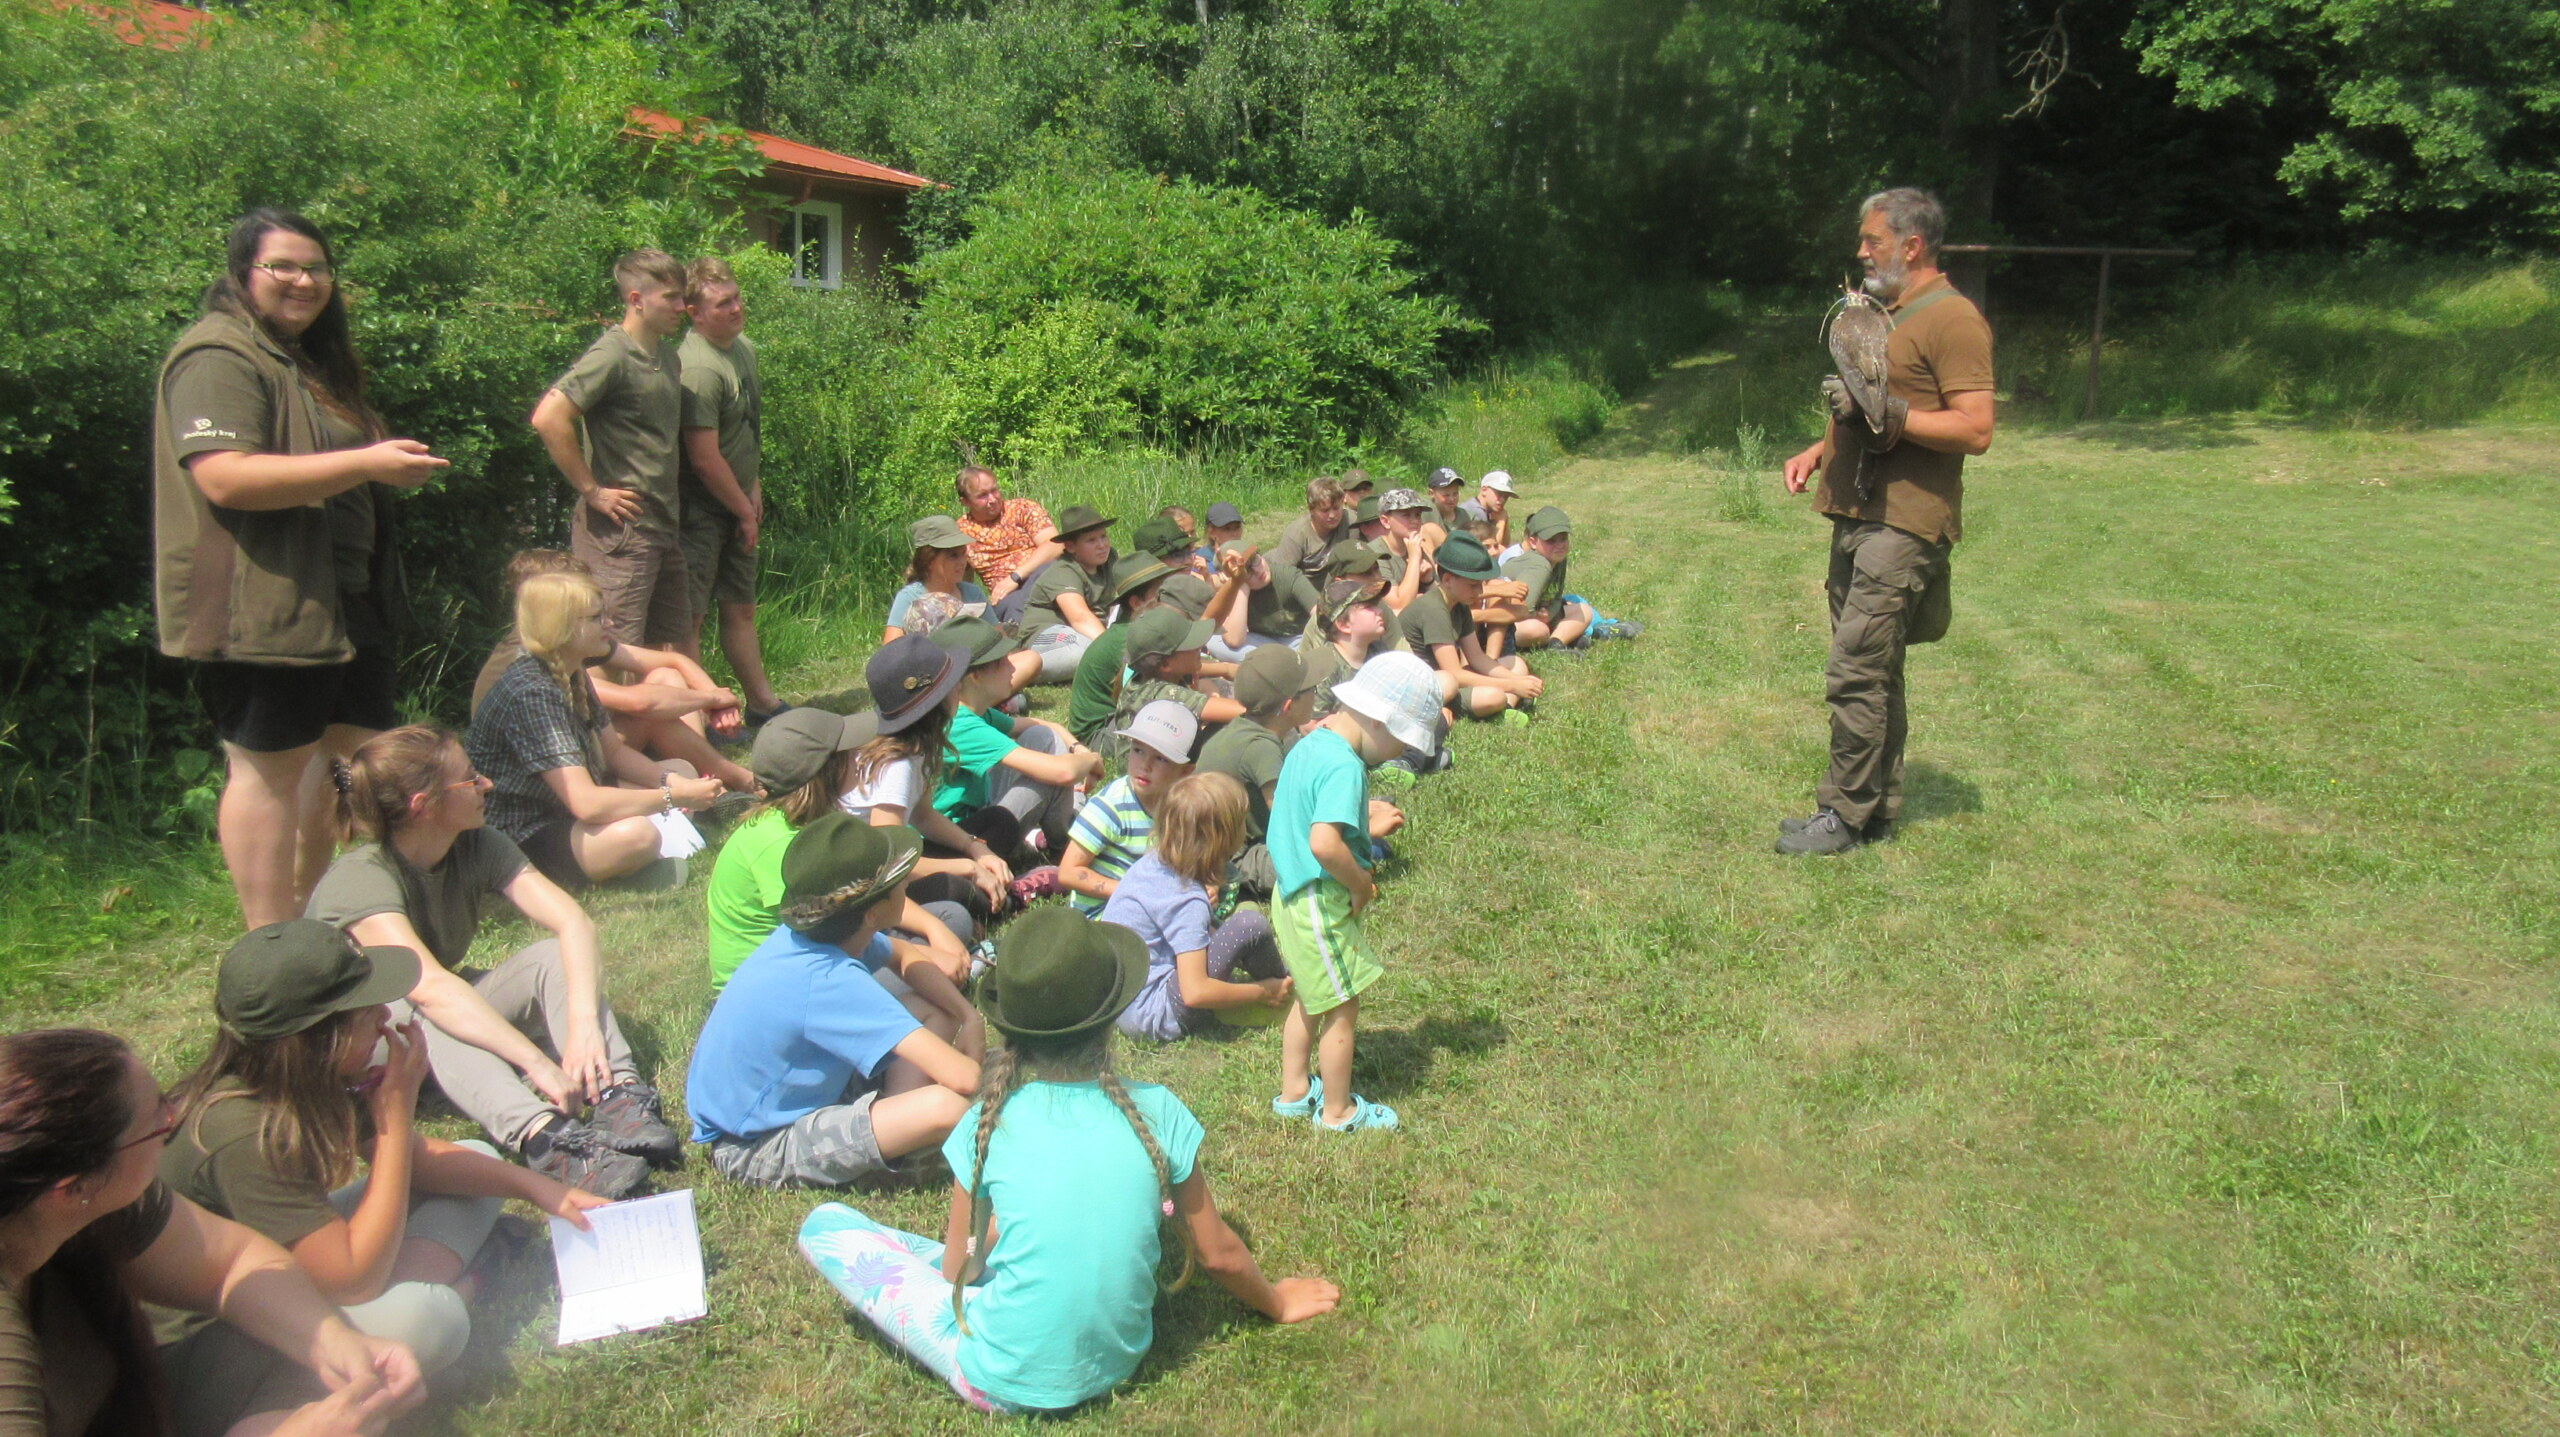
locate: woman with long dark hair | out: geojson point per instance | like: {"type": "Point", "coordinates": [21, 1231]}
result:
{"type": "Point", "coordinates": [276, 574]}
{"type": "Point", "coordinates": [85, 1228]}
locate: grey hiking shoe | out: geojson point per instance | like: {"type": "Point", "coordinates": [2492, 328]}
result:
{"type": "Point", "coordinates": [1878, 830]}
{"type": "Point", "coordinates": [1822, 835]}
{"type": "Point", "coordinates": [571, 1152]}
{"type": "Point", "coordinates": [629, 1119]}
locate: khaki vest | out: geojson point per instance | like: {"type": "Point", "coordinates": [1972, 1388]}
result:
{"type": "Point", "coordinates": [244, 586]}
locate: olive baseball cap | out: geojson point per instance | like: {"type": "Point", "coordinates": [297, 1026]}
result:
{"type": "Point", "coordinates": [982, 641]}
{"type": "Point", "coordinates": [280, 979]}
{"type": "Point", "coordinates": [1367, 513]}
{"type": "Point", "coordinates": [791, 749]}
{"type": "Point", "coordinates": [1161, 537]}
{"type": "Point", "coordinates": [1462, 555]}
{"type": "Point", "coordinates": [841, 862]}
{"type": "Point", "coordinates": [1549, 523]}
{"type": "Point", "coordinates": [1166, 630]}
{"type": "Point", "coordinates": [1222, 514]}
{"type": "Point", "coordinates": [1077, 518]}
{"type": "Point", "coordinates": [936, 531]}
{"type": "Point", "coordinates": [1351, 556]}
{"type": "Point", "coordinates": [1187, 594]}
{"type": "Point", "coordinates": [1344, 594]}
{"type": "Point", "coordinates": [1269, 677]}
{"type": "Point", "coordinates": [1061, 975]}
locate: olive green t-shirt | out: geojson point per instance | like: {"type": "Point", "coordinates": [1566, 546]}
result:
{"type": "Point", "coordinates": [1430, 621]}
{"type": "Point", "coordinates": [215, 1161]}
{"type": "Point", "coordinates": [1252, 755]}
{"type": "Point", "coordinates": [1937, 351]}
{"type": "Point", "coordinates": [723, 391]}
{"type": "Point", "coordinates": [1544, 579]}
{"type": "Point", "coordinates": [443, 903]}
{"type": "Point", "coordinates": [226, 409]}
{"type": "Point", "coordinates": [1281, 608]}
{"type": "Point", "coordinates": [633, 404]}
{"type": "Point", "coordinates": [1097, 687]}
{"type": "Point", "coordinates": [56, 1373]}
{"type": "Point", "coordinates": [1066, 576]}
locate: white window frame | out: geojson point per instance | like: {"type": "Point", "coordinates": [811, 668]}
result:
{"type": "Point", "coordinates": [833, 214]}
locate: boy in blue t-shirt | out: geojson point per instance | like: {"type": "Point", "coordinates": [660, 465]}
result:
{"type": "Point", "coordinates": [808, 1073]}
{"type": "Point", "coordinates": [1320, 852]}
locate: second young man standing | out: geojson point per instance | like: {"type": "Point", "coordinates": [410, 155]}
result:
{"type": "Point", "coordinates": [628, 390]}
{"type": "Point", "coordinates": [723, 485]}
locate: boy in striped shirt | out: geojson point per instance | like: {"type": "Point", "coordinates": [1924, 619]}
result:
{"type": "Point", "coordinates": [1116, 826]}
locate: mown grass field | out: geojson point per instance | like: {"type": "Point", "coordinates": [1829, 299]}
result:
{"type": "Point", "coordinates": [2187, 1065]}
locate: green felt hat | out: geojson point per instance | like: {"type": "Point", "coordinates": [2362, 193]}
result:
{"type": "Point", "coordinates": [1134, 572]}
{"type": "Point", "coordinates": [1077, 518]}
{"type": "Point", "coordinates": [1060, 975]}
{"type": "Point", "coordinates": [1463, 556]}
{"type": "Point", "coordinates": [1368, 511]}
{"type": "Point", "coordinates": [984, 642]}
{"type": "Point", "coordinates": [936, 531]}
{"type": "Point", "coordinates": [1161, 537]}
{"type": "Point", "coordinates": [840, 863]}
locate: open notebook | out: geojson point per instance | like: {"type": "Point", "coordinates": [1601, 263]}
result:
{"type": "Point", "coordinates": [640, 1267]}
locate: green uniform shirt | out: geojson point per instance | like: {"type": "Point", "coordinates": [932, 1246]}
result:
{"type": "Point", "coordinates": [723, 391]}
{"type": "Point", "coordinates": [633, 404]}
{"type": "Point", "coordinates": [215, 1162]}
{"type": "Point", "coordinates": [1252, 755]}
{"type": "Point", "coordinates": [1281, 608]}
{"type": "Point", "coordinates": [1135, 694]}
{"type": "Point", "coordinates": [1066, 576]}
{"type": "Point", "coordinates": [1097, 687]}
{"type": "Point", "coordinates": [1545, 581]}
{"type": "Point", "coordinates": [1326, 667]}
{"type": "Point", "coordinates": [1430, 620]}
{"type": "Point", "coordinates": [443, 903]}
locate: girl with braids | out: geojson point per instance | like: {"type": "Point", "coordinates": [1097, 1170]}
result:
{"type": "Point", "coordinates": [1041, 1295]}
{"type": "Point", "coordinates": [428, 867]}
{"type": "Point", "coordinates": [85, 1227]}
{"type": "Point", "coordinates": [276, 575]}
{"type": "Point", "coordinates": [271, 1129]}
{"type": "Point", "coordinates": [566, 788]}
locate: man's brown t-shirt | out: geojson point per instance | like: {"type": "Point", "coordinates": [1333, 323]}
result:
{"type": "Point", "coordinates": [1941, 350]}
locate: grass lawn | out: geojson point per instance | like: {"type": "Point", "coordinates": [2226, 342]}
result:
{"type": "Point", "coordinates": [2184, 1066]}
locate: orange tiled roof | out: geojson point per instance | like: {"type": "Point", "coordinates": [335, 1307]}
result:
{"type": "Point", "coordinates": [790, 157]}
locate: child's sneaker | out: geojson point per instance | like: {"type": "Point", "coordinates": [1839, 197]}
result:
{"type": "Point", "coordinates": [1394, 776]}
{"type": "Point", "coordinates": [1310, 1106]}
{"type": "Point", "coordinates": [1365, 1116]}
{"type": "Point", "coordinates": [1513, 718]}
{"type": "Point", "coordinates": [1039, 883]}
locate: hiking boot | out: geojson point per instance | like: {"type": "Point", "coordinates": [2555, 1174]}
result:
{"type": "Point", "coordinates": [569, 1151]}
{"type": "Point", "coordinates": [627, 1116]}
{"type": "Point", "coordinates": [1878, 830]}
{"type": "Point", "coordinates": [730, 805]}
{"type": "Point", "coordinates": [1821, 835]}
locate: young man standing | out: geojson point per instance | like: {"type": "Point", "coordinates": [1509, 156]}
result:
{"type": "Point", "coordinates": [628, 391]}
{"type": "Point", "coordinates": [723, 475]}
{"type": "Point", "coordinates": [1893, 487]}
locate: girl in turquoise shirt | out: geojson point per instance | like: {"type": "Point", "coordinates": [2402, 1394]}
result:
{"type": "Point", "coordinates": [1042, 1294]}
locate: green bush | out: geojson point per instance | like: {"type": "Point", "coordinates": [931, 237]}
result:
{"type": "Point", "coordinates": [1207, 315]}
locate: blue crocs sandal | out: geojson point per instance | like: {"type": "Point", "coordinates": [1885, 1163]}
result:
{"type": "Point", "coordinates": [1365, 1116]}
{"type": "Point", "coordinates": [1310, 1106]}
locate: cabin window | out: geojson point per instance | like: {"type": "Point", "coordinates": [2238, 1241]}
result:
{"type": "Point", "coordinates": [813, 235]}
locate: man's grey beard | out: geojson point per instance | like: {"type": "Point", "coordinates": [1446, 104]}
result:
{"type": "Point", "coordinates": [1885, 283]}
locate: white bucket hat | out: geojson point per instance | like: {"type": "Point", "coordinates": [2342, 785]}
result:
{"type": "Point", "coordinates": [1399, 690]}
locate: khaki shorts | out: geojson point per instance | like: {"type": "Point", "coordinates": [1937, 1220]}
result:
{"type": "Point", "coordinates": [640, 569]}
{"type": "Point", "coordinates": [1322, 942]}
{"type": "Point", "coordinates": [718, 568]}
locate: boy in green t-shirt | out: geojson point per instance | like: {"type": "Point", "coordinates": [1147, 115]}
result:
{"type": "Point", "coordinates": [627, 391]}
{"type": "Point", "coordinates": [1551, 616]}
{"type": "Point", "coordinates": [1321, 854]}
{"type": "Point", "coordinates": [1005, 779]}
{"type": "Point", "coordinates": [1135, 580]}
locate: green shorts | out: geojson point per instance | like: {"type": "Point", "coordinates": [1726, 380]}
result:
{"type": "Point", "coordinates": [1322, 943]}
{"type": "Point", "coordinates": [718, 568]}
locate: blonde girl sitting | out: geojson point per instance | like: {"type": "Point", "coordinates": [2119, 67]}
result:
{"type": "Point", "coordinates": [1042, 1294]}
{"type": "Point", "coordinates": [1197, 969]}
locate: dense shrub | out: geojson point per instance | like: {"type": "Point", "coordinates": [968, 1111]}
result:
{"type": "Point", "coordinates": [1206, 314]}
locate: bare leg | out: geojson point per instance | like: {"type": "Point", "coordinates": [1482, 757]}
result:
{"type": "Point", "coordinates": [426, 1260]}
{"type": "Point", "coordinates": [1529, 633]}
{"type": "Point", "coordinates": [1026, 669]}
{"type": "Point", "coordinates": [739, 641]}
{"type": "Point", "coordinates": [1577, 618]}
{"type": "Point", "coordinates": [915, 1118]}
{"type": "Point", "coordinates": [1297, 1041]}
{"type": "Point", "coordinates": [609, 851]}
{"type": "Point", "coordinates": [1333, 1059]}
{"type": "Point", "coordinates": [685, 740]}
{"type": "Point", "coordinates": [258, 822]}
{"type": "Point", "coordinates": [1485, 701]}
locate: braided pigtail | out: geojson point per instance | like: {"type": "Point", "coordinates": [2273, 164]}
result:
{"type": "Point", "coordinates": [1128, 1107]}
{"type": "Point", "coordinates": [1001, 1079]}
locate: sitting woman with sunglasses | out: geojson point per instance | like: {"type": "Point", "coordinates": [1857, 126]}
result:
{"type": "Point", "coordinates": [85, 1227]}
{"type": "Point", "coordinates": [430, 867]}
{"type": "Point", "coordinates": [290, 1128]}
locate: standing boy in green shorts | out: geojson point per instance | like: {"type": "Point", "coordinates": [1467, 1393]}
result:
{"type": "Point", "coordinates": [1320, 855]}
{"type": "Point", "coordinates": [722, 483]}
{"type": "Point", "coordinates": [628, 392]}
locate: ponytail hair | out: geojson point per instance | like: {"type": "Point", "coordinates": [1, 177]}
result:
{"type": "Point", "coordinates": [1078, 1059]}
{"type": "Point", "coordinates": [389, 770]}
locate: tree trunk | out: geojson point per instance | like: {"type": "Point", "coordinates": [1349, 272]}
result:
{"type": "Point", "coordinates": [1968, 96]}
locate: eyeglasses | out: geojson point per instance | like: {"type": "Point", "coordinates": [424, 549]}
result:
{"type": "Point", "coordinates": [285, 271]}
{"type": "Point", "coordinates": [168, 1125]}
{"type": "Point", "coordinates": [476, 780]}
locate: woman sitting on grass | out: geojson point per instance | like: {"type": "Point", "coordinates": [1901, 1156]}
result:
{"type": "Point", "coordinates": [1041, 1295]}
{"type": "Point", "coordinates": [272, 1126]}
{"type": "Point", "coordinates": [571, 794]}
{"type": "Point", "coordinates": [85, 1225]}
{"type": "Point", "coordinates": [1166, 898]}
{"type": "Point", "coordinates": [429, 869]}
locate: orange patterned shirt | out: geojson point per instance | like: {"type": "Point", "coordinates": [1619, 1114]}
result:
{"type": "Point", "coordinates": [996, 549]}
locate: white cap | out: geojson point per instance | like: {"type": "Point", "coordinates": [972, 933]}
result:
{"type": "Point", "coordinates": [1499, 482]}
{"type": "Point", "coordinates": [1399, 690]}
{"type": "Point", "coordinates": [1165, 726]}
